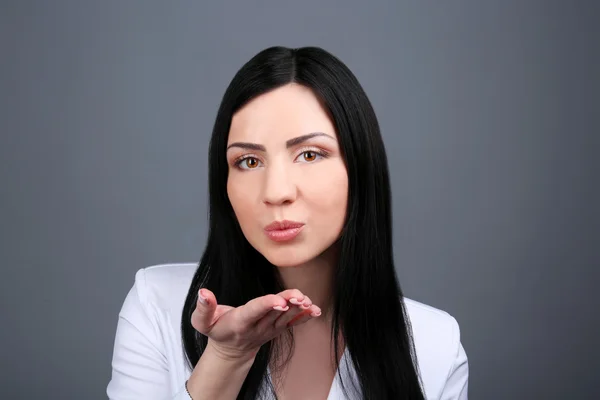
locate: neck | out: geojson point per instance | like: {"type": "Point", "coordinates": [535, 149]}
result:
{"type": "Point", "coordinates": [313, 278]}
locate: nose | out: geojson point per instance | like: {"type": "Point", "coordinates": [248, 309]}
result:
{"type": "Point", "coordinates": [279, 186]}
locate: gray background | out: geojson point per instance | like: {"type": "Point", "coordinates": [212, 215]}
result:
{"type": "Point", "coordinates": [490, 117]}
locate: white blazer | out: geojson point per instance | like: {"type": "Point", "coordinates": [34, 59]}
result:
{"type": "Point", "coordinates": [149, 362]}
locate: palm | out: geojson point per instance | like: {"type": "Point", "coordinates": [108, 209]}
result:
{"type": "Point", "coordinates": [224, 318]}
{"type": "Point", "coordinates": [240, 329]}
{"type": "Point", "coordinates": [220, 311]}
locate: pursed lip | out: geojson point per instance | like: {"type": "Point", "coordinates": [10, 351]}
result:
{"type": "Point", "coordinates": [283, 225]}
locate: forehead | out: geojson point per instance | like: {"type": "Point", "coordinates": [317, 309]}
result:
{"type": "Point", "coordinates": [282, 113]}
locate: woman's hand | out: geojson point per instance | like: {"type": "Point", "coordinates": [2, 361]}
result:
{"type": "Point", "coordinates": [238, 333]}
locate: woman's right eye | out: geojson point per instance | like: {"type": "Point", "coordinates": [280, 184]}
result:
{"type": "Point", "coordinates": [248, 163]}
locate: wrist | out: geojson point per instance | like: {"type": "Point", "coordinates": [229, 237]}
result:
{"type": "Point", "coordinates": [219, 374]}
{"type": "Point", "coordinates": [230, 356]}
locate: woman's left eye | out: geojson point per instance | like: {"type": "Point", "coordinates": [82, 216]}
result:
{"type": "Point", "coordinates": [308, 156]}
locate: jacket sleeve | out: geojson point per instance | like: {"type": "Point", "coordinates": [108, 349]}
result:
{"type": "Point", "coordinates": [139, 366]}
{"type": "Point", "coordinates": [457, 382]}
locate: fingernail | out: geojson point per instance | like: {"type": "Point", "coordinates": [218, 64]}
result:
{"type": "Point", "coordinates": [316, 314]}
{"type": "Point", "coordinates": [279, 308]}
{"type": "Point", "coordinates": [295, 301]}
{"type": "Point", "coordinates": [202, 297]}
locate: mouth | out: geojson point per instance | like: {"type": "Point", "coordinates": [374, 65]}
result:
{"type": "Point", "coordinates": [282, 231]}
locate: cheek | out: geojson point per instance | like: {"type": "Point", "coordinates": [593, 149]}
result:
{"type": "Point", "coordinates": [240, 197]}
{"type": "Point", "coordinates": [327, 194]}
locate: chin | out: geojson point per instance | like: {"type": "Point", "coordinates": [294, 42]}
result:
{"type": "Point", "coordinates": [286, 256]}
{"type": "Point", "coordinates": [285, 261]}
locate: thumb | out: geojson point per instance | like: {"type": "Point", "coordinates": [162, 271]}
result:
{"type": "Point", "coordinates": [203, 315]}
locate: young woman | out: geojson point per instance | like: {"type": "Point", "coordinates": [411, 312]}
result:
{"type": "Point", "coordinates": [296, 295]}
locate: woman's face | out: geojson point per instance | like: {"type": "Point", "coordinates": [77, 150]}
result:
{"type": "Point", "coordinates": [287, 182]}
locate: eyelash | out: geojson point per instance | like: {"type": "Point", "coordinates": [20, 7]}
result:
{"type": "Point", "coordinates": [321, 153]}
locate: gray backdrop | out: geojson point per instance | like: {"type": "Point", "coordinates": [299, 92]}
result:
{"type": "Point", "coordinates": [490, 117]}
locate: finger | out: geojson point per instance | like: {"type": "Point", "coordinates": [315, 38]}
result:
{"type": "Point", "coordinates": [306, 303]}
{"type": "Point", "coordinates": [289, 320]}
{"type": "Point", "coordinates": [203, 315]}
{"type": "Point", "coordinates": [294, 311]}
{"type": "Point", "coordinates": [302, 318]}
{"type": "Point", "coordinates": [294, 295]}
{"type": "Point", "coordinates": [257, 308]}
{"type": "Point", "coordinates": [315, 311]}
{"type": "Point", "coordinates": [268, 321]}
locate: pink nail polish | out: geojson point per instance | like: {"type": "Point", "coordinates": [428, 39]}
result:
{"type": "Point", "coordinates": [202, 298]}
{"type": "Point", "coordinates": [279, 308]}
{"type": "Point", "coordinates": [295, 301]}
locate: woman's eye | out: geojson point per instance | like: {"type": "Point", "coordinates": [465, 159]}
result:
{"type": "Point", "coordinates": [309, 156]}
{"type": "Point", "coordinates": [248, 163]}
{"type": "Point", "coordinates": [251, 162]}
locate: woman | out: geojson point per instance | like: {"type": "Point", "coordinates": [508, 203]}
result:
{"type": "Point", "coordinates": [296, 295]}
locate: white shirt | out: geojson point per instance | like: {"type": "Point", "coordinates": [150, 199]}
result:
{"type": "Point", "coordinates": [149, 361]}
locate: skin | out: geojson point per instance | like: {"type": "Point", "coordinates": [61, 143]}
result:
{"type": "Point", "coordinates": [284, 164]}
{"type": "Point", "coordinates": [306, 182]}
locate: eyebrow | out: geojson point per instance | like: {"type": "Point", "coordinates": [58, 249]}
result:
{"type": "Point", "coordinates": [290, 143]}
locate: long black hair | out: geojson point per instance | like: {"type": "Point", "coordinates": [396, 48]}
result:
{"type": "Point", "coordinates": [368, 308]}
